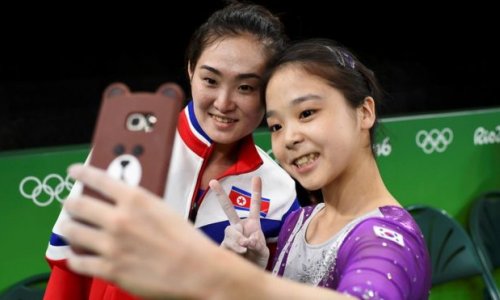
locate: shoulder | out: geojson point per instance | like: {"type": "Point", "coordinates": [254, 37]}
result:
{"type": "Point", "coordinates": [395, 228]}
{"type": "Point", "coordinates": [400, 217]}
{"type": "Point", "coordinates": [394, 217]}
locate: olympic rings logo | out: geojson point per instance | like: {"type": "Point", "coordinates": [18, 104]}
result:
{"type": "Point", "coordinates": [434, 140]}
{"type": "Point", "coordinates": [42, 193]}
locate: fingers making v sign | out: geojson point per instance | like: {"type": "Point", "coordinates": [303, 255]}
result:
{"type": "Point", "coordinates": [244, 236]}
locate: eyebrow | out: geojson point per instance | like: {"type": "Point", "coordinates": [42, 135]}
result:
{"type": "Point", "coordinates": [296, 102]}
{"type": "Point", "coordinates": [240, 76]}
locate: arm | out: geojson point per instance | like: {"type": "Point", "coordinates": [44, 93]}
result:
{"type": "Point", "coordinates": [384, 259]}
{"type": "Point", "coordinates": [63, 282]}
{"type": "Point", "coordinates": [182, 263]}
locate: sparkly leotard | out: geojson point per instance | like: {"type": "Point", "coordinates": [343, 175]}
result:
{"type": "Point", "coordinates": [380, 255]}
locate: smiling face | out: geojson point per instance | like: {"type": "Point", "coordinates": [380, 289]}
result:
{"type": "Point", "coordinates": [316, 135]}
{"type": "Point", "coordinates": [225, 87]}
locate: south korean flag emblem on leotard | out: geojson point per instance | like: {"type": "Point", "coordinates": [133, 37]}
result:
{"type": "Point", "coordinates": [389, 234]}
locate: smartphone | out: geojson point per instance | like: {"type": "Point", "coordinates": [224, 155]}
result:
{"type": "Point", "coordinates": [134, 135]}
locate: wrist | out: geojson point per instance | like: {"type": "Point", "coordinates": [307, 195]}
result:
{"type": "Point", "coordinates": [235, 278]}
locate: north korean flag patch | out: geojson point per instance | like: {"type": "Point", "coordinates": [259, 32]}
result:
{"type": "Point", "coordinates": [389, 234]}
{"type": "Point", "coordinates": [241, 200]}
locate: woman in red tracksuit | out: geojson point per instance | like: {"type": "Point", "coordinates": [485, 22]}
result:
{"type": "Point", "coordinates": [226, 58]}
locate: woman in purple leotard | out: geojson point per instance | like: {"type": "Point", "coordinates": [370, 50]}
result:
{"type": "Point", "coordinates": [321, 112]}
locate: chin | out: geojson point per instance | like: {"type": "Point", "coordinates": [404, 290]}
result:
{"type": "Point", "coordinates": [222, 137]}
{"type": "Point", "coordinates": [310, 185]}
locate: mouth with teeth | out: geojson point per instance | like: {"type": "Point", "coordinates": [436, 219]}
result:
{"type": "Point", "coordinates": [222, 119]}
{"type": "Point", "coordinates": [305, 160]}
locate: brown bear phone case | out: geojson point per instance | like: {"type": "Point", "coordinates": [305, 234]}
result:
{"type": "Point", "coordinates": [134, 135]}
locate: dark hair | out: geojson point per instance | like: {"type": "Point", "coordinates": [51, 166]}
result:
{"type": "Point", "coordinates": [334, 63]}
{"type": "Point", "coordinates": [235, 19]}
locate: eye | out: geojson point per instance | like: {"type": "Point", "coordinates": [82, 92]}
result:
{"type": "Point", "coordinates": [246, 88]}
{"type": "Point", "coordinates": [306, 113]}
{"type": "Point", "coordinates": [210, 81]}
{"type": "Point", "coordinates": [138, 150]}
{"type": "Point", "coordinates": [119, 149]}
{"type": "Point", "coordinates": [274, 128]}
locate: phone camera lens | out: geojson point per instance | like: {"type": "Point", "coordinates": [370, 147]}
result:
{"type": "Point", "coordinates": [136, 122]}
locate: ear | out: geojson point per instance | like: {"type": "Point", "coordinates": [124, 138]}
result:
{"type": "Point", "coordinates": [116, 89]}
{"type": "Point", "coordinates": [367, 113]}
{"type": "Point", "coordinates": [190, 73]}
{"type": "Point", "coordinates": [171, 90]}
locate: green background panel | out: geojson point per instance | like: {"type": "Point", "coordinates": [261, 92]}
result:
{"type": "Point", "coordinates": [450, 180]}
{"type": "Point", "coordinates": [26, 226]}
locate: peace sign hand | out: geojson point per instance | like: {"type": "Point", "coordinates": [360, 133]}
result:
{"type": "Point", "coordinates": [244, 236]}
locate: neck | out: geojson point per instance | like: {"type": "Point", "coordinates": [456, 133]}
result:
{"type": "Point", "coordinates": [222, 157]}
{"type": "Point", "coordinates": [358, 190]}
{"type": "Point", "coordinates": [224, 154]}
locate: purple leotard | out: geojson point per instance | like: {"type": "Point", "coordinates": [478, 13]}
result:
{"type": "Point", "coordinates": [380, 256]}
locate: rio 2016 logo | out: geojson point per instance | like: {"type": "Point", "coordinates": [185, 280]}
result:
{"type": "Point", "coordinates": [384, 148]}
{"type": "Point", "coordinates": [482, 136]}
{"type": "Point", "coordinates": [43, 192]}
{"type": "Point", "coordinates": [434, 140]}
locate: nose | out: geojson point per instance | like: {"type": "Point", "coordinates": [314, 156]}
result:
{"type": "Point", "coordinates": [224, 102]}
{"type": "Point", "coordinates": [293, 137]}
